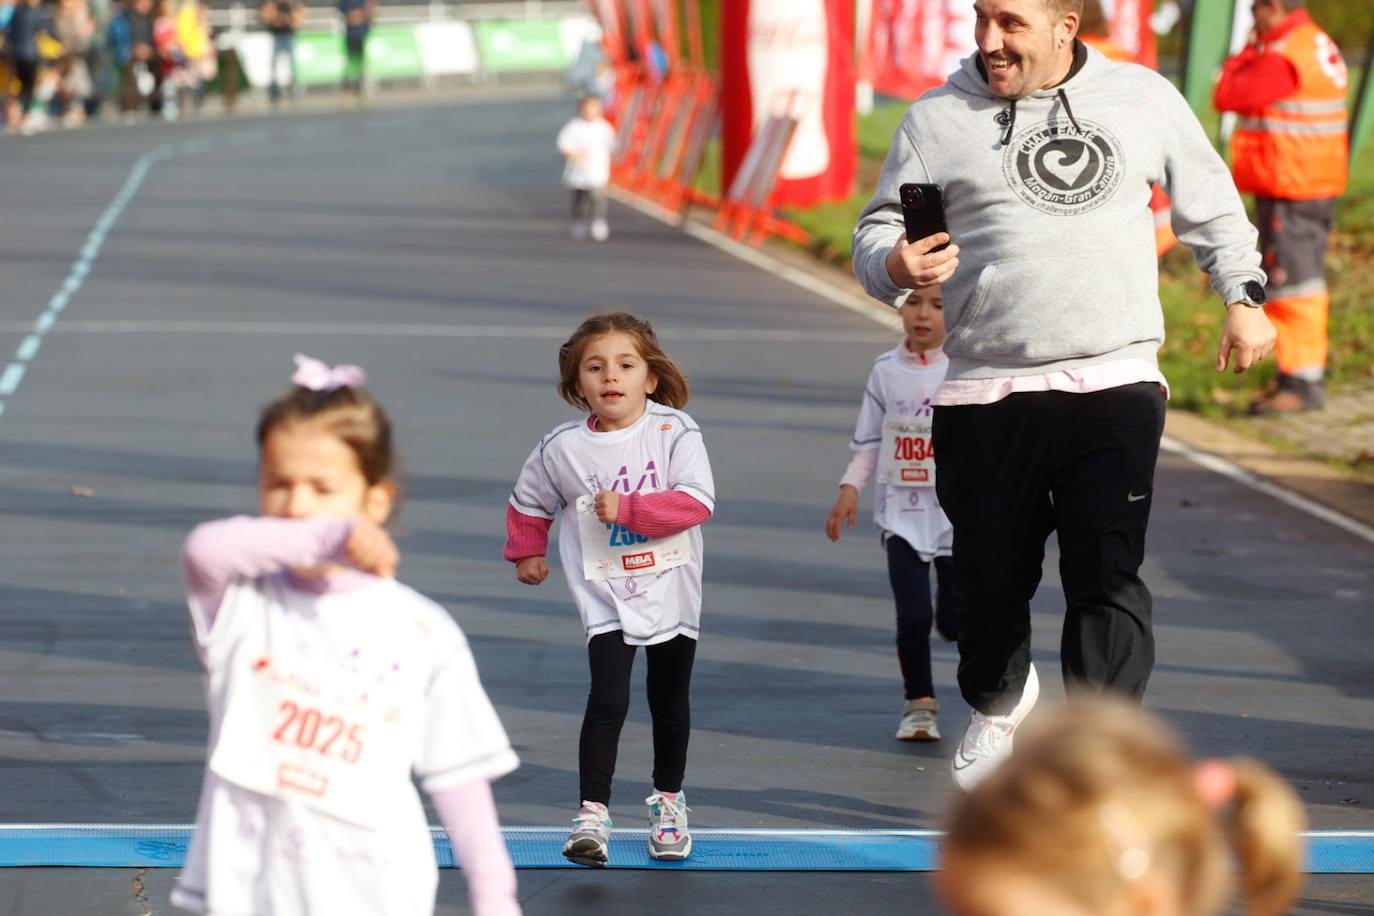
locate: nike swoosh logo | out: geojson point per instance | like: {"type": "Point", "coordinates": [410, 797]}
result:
{"type": "Point", "coordinates": [1132, 498]}
{"type": "Point", "coordinates": [964, 765]}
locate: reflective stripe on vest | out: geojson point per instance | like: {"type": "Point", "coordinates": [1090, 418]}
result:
{"type": "Point", "coordinates": [1296, 148]}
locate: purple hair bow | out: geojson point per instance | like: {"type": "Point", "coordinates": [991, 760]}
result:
{"type": "Point", "coordinates": [313, 375]}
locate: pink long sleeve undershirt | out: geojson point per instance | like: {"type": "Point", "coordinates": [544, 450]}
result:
{"type": "Point", "coordinates": [654, 515]}
{"type": "Point", "coordinates": [245, 547]}
{"type": "Point", "coordinates": [468, 813]}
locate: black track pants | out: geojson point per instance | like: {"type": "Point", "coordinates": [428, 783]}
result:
{"type": "Point", "coordinates": [1008, 474]}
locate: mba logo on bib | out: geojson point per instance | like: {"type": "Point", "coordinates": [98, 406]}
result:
{"type": "Point", "coordinates": [1059, 169]}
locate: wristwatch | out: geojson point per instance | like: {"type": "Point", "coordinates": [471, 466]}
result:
{"type": "Point", "coordinates": [1250, 293]}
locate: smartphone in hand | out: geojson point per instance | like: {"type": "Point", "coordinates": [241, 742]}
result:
{"type": "Point", "coordinates": [923, 211]}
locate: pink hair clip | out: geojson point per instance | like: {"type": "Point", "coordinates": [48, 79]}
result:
{"type": "Point", "coordinates": [1216, 782]}
{"type": "Point", "coordinates": [313, 375]}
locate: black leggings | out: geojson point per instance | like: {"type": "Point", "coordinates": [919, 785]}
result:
{"type": "Point", "coordinates": [910, 578]}
{"type": "Point", "coordinates": [669, 677]}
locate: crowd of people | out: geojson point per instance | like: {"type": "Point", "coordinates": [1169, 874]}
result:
{"type": "Point", "coordinates": [66, 61]}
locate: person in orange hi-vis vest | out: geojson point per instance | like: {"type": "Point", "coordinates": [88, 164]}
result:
{"type": "Point", "coordinates": [1290, 149]}
{"type": "Point", "coordinates": [1095, 30]}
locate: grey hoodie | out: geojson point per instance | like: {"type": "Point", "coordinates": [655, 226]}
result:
{"type": "Point", "coordinates": [1048, 199]}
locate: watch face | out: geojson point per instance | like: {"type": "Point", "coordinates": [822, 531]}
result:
{"type": "Point", "coordinates": [1254, 292]}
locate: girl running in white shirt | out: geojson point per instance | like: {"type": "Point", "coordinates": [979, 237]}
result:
{"type": "Point", "coordinates": [328, 683]}
{"type": "Point", "coordinates": [588, 142]}
{"type": "Point", "coordinates": [634, 484]}
{"type": "Point", "coordinates": [892, 437]}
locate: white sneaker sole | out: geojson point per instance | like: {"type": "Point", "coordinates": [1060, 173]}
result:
{"type": "Point", "coordinates": [671, 855]}
{"type": "Point", "coordinates": [586, 852]}
{"type": "Point", "coordinates": [918, 734]}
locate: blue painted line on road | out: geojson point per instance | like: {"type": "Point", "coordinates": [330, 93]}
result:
{"type": "Point", "coordinates": [28, 348]}
{"type": "Point", "coordinates": [10, 378]}
{"type": "Point", "coordinates": [164, 846]}
{"type": "Point", "coordinates": [81, 268]}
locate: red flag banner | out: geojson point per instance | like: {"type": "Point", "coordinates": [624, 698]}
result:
{"type": "Point", "coordinates": [914, 44]}
{"type": "Point", "coordinates": [1131, 30]}
{"type": "Point", "coordinates": [798, 55]}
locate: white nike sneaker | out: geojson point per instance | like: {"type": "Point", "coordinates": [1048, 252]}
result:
{"type": "Point", "coordinates": [987, 741]}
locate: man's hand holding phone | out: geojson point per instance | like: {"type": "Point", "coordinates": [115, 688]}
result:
{"type": "Point", "coordinates": [923, 255]}
{"type": "Point", "coordinates": [912, 265]}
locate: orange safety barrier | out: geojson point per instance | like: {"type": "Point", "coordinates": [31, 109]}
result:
{"type": "Point", "coordinates": [747, 209]}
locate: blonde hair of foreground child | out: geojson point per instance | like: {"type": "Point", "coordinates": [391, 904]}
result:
{"type": "Point", "coordinates": [1099, 811]}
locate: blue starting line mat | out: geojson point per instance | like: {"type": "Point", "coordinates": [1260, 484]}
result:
{"type": "Point", "coordinates": [164, 846]}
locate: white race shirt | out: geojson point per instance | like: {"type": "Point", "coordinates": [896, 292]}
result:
{"type": "Point", "coordinates": [301, 690]}
{"type": "Point", "coordinates": [663, 450]}
{"type": "Point", "coordinates": [596, 139]}
{"type": "Point", "coordinates": [898, 389]}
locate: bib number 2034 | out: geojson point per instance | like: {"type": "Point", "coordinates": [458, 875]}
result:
{"type": "Point", "coordinates": [310, 729]}
{"type": "Point", "coordinates": [912, 448]}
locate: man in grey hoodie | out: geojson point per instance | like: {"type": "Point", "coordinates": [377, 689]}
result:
{"type": "Point", "coordinates": [1053, 406]}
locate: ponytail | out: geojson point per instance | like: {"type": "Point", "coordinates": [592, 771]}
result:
{"type": "Point", "coordinates": [1265, 819]}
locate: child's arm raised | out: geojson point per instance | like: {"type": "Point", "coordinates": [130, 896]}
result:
{"type": "Point", "coordinates": [217, 553]}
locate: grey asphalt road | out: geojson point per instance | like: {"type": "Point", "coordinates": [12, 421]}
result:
{"type": "Point", "coordinates": [429, 245]}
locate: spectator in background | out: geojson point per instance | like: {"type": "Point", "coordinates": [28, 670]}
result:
{"type": "Point", "coordinates": [282, 18]}
{"type": "Point", "coordinates": [6, 74]}
{"type": "Point", "coordinates": [202, 59]}
{"type": "Point", "coordinates": [74, 27]}
{"type": "Point", "coordinates": [21, 48]}
{"type": "Point", "coordinates": [171, 60]}
{"type": "Point", "coordinates": [131, 47]}
{"type": "Point", "coordinates": [1290, 150]}
{"type": "Point", "coordinates": [357, 16]}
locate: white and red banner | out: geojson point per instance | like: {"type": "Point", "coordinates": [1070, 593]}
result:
{"type": "Point", "coordinates": [794, 55]}
{"type": "Point", "coordinates": [913, 45]}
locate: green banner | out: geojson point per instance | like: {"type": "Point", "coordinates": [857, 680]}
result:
{"type": "Point", "coordinates": [319, 58]}
{"type": "Point", "coordinates": [1362, 117]}
{"type": "Point", "coordinates": [1209, 39]}
{"type": "Point", "coordinates": [521, 45]}
{"type": "Point", "coordinates": [391, 53]}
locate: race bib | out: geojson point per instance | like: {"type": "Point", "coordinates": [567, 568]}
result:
{"type": "Point", "coordinates": [328, 743]}
{"type": "Point", "coordinates": [908, 455]}
{"type": "Point", "coordinates": [611, 551]}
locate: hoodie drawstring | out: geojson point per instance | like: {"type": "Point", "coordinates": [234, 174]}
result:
{"type": "Point", "coordinates": [1007, 118]}
{"type": "Point", "coordinates": [1068, 110]}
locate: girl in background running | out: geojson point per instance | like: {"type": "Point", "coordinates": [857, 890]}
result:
{"type": "Point", "coordinates": [328, 683]}
{"type": "Point", "coordinates": [587, 142]}
{"type": "Point", "coordinates": [634, 485]}
{"type": "Point", "coordinates": [1099, 812]}
{"type": "Point", "coordinates": [892, 437]}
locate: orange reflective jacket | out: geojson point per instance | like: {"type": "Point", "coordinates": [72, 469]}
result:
{"type": "Point", "coordinates": [1297, 147]}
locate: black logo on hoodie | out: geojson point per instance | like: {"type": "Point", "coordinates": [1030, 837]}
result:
{"type": "Point", "coordinates": [1063, 168]}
